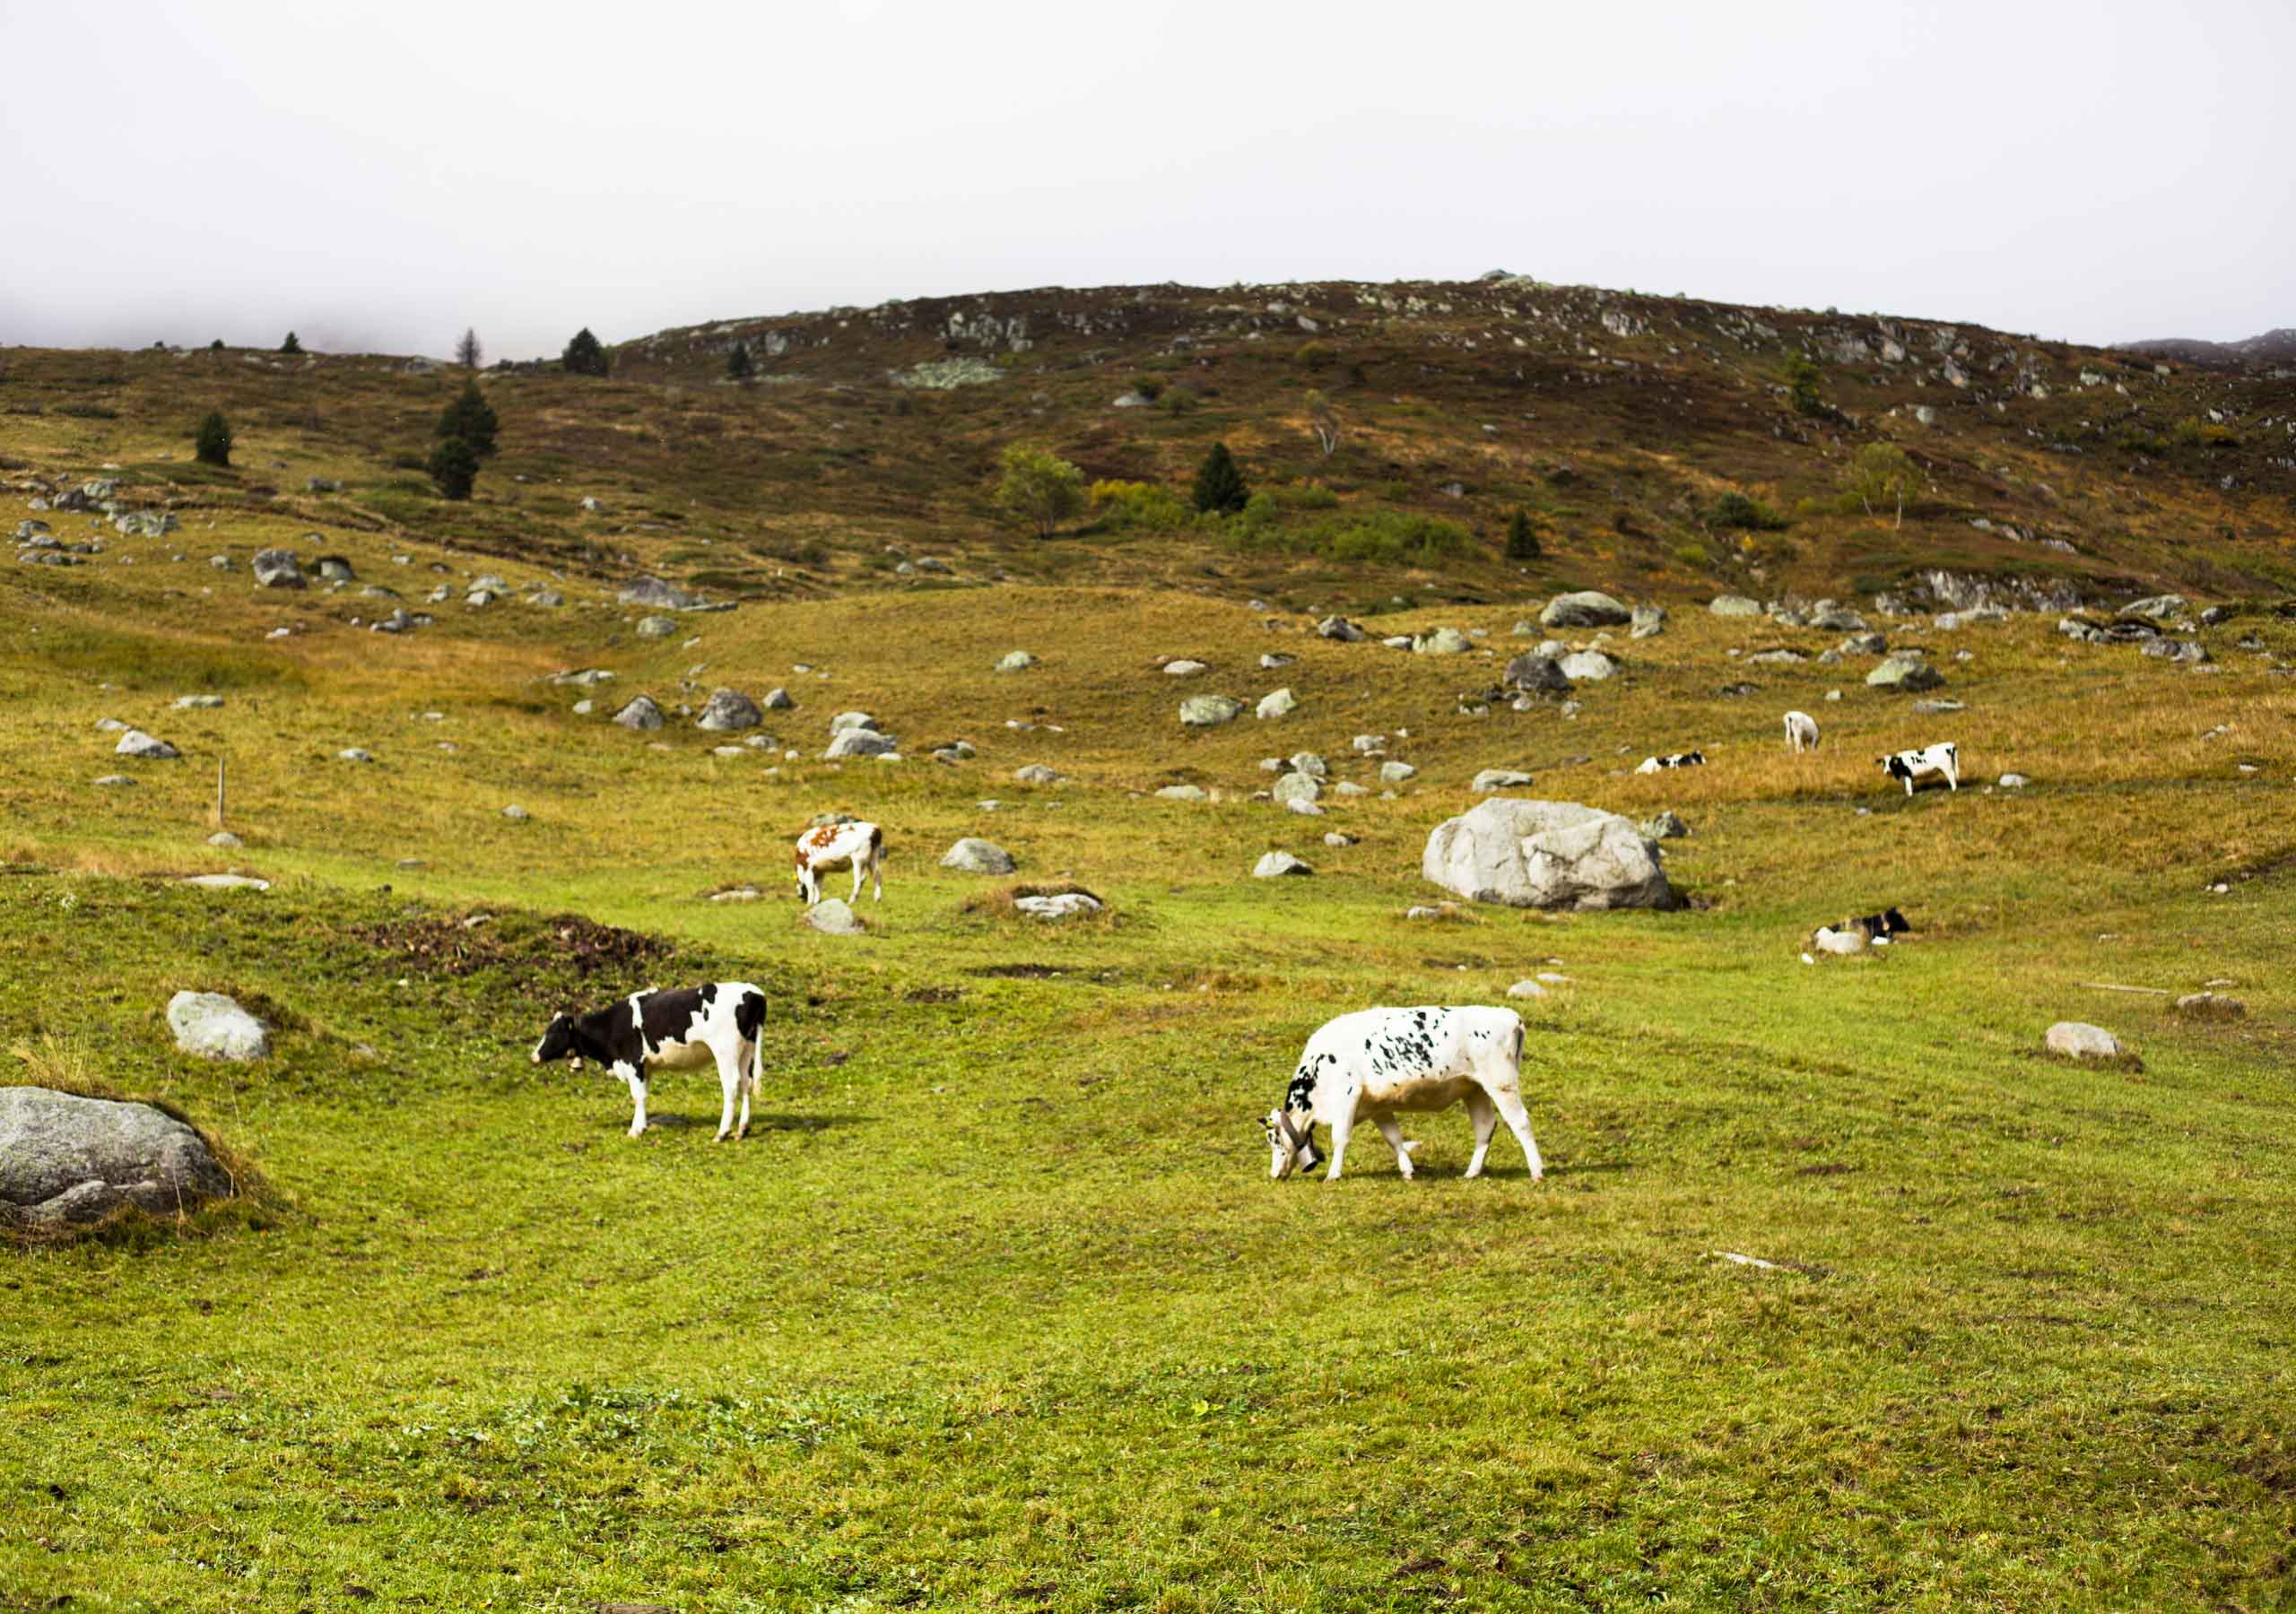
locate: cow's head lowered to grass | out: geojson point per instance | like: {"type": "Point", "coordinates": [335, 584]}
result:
{"type": "Point", "coordinates": [557, 1041]}
{"type": "Point", "coordinates": [1291, 1144]}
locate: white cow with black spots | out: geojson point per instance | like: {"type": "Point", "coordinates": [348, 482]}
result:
{"type": "Point", "coordinates": [1911, 765]}
{"type": "Point", "coordinates": [1373, 1064]}
{"type": "Point", "coordinates": [722, 1023]}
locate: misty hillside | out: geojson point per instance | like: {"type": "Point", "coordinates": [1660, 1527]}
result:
{"type": "Point", "coordinates": [2275, 352]}
{"type": "Point", "coordinates": [1391, 431]}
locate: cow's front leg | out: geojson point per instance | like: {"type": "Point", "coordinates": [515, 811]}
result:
{"type": "Point", "coordinates": [636, 1080]}
{"type": "Point", "coordinates": [1393, 1134]}
{"type": "Point", "coordinates": [1342, 1124]}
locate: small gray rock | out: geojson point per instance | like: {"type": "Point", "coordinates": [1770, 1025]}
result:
{"type": "Point", "coordinates": [2077, 1039]}
{"type": "Point", "coordinates": [728, 712]}
{"type": "Point", "coordinates": [214, 1027]}
{"type": "Point", "coordinates": [1908, 674]}
{"type": "Point", "coordinates": [1037, 773]}
{"type": "Point", "coordinates": [1276, 864]}
{"type": "Point", "coordinates": [973, 855]}
{"type": "Point", "coordinates": [1499, 778]}
{"type": "Point", "coordinates": [1017, 661]}
{"type": "Point", "coordinates": [859, 742]}
{"type": "Point", "coordinates": [276, 569]}
{"type": "Point", "coordinates": [1443, 641]}
{"type": "Point", "coordinates": [1395, 773]}
{"type": "Point", "coordinates": [657, 627]}
{"type": "Point", "coordinates": [1582, 666]}
{"type": "Point", "coordinates": [833, 917]}
{"type": "Point", "coordinates": [1735, 605]}
{"type": "Point", "coordinates": [1209, 711]}
{"type": "Point", "coordinates": [644, 712]}
{"type": "Point", "coordinates": [1277, 704]}
{"type": "Point", "coordinates": [1182, 793]}
{"type": "Point", "coordinates": [136, 742]}
{"type": "Point", "coordinates": [516, 814]}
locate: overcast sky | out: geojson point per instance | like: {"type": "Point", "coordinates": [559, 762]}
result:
{"type": "Point", "coordinates": [378, 177]}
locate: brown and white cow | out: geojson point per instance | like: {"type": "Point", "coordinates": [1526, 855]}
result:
{"type": "Point", "coordinates": [835, 845]}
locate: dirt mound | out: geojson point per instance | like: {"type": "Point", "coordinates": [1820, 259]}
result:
{"type": "Point", "coordinates": [464, 944]}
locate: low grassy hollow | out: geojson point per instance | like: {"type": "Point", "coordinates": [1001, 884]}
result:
{"type": "Point", "coordinates": [996, 1306]}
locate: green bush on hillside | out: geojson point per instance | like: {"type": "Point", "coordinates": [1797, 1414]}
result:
{"type": "Point", "coordinates": [584, 355]}
{"type": "Point", "coordinates": [1139, 506]}
{"type": "Point", "coordinates": [471, 417]}
{"type": "Point", "coordinates": [1220, 485]}
{"type": "Point", "coordinates": [454, 468]}
{"type": "Point", "coordinates": [1736, 509]}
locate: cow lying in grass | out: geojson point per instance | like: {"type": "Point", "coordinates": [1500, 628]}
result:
{"type": "Point", "coordinates": [1911, 765]}
{"type": "Point", "coordinates": [1696, 759]}
{"type": "Point", "coordinates": [835, 846]}
{"type": "Point", "coordinates": [679, 1030]}
{"type": "Point", "coordinates": [1372, 1064]}
{"type": "Point", "coordinates": [1801, 733]}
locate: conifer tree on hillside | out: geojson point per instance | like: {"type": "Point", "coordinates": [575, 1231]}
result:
{"type": "Point", "coordinates": [467, 353]}
{"type": "Point", "coordinates": [586, 355]}
{"type": "Point", "coordinates": [471, 417]}
{"type": "Point", "coordinates": [454, 468]}
{"type": "Point", "coordinates": [1522, 537]}
{"type": "Point", "coordinates": [212, 445]}
{"type": "Point", "coordinates": [739, 366]}
{"type": "Point", "coordinates": [292, 346]}
{"type": "Point", "coordinates": [1220, 486]}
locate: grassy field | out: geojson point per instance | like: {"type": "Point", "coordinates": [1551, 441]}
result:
{"type": "Point", "coordinates": [997, 1307]}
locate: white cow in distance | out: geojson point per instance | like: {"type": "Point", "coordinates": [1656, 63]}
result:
{"type": "Point", "coordinates": [1801, 733]}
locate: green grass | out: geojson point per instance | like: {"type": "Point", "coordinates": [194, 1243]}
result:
{"type": "Point", "coordinates": [996, 1306]}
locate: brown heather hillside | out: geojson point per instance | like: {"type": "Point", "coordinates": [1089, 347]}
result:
{"type": "Point", "coordinates": [1616, 419]}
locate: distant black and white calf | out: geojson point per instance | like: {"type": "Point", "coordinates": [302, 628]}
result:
{"type": "Point", "coordinates": [679, 1030]}
{"type": "Point", "coordinates": [1370, 1065]}
{"type": "Point", "coordinates": [1695, 759]}
{"type": "Point", "coordinates": [1911, 765]}
{"type": "Point", "coordinates": [1883, 926]}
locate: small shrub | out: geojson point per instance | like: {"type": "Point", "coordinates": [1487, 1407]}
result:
{"type": "Point", "coordinates": [1150, 387]}
{"type": "Point", "coordinates": [1692, 555]}
{"type": "Point", "coordinates": [1801, 378]}
{"type": "Point", "coordinates": [739, 365]}
{"type": "Point", "coordinates": [1394, 538]}
{"type": "Point", "coordinates": [216, 346]}
{"type": "Point", "coordinates": [1736, 509]}
{"type": "Point", "coordinates": [1141, 507]}
{"type": "Point", "coordinates": [212, 444]}
{"type": "Point", "coordinates": [1314, 355]}
{"type": "Point", "coordinates": [2192, 432]}
{"type": "Point", "coordinates": [293, 345]}
{"type": "Point", "coordinates": [1180, 401]}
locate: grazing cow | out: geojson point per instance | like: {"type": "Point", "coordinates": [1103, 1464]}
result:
{"type": "Point", "coordinates": [1696, 759]}
{"type": "Point", "coordinates": [650, 1032]}
{"type": "Point", "coordinates": [1801, 733]}
{"type": "Point", "coordinates": [1911, 765]}
{"type": "Point", "coordinates": [1371, 1063]}
{"type": "Point", "coordinates": [833, 845]}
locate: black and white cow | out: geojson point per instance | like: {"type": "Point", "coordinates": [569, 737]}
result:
{"type": "Point", "coordinates": [835, 846]}
{"type": "Point", "coordinates": [1911, 765]}
{"type": "Point", "coordinates": [1696, 759]}
{"type": "Point", "coordinates": [1878, 927]}
{"type": "Point", "coordinates": [677, 1030]}
{"type": "Point", "coordinates": [1370, 1065]}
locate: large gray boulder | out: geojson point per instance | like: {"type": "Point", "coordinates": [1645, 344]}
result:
{"type": "Point", "coordinates": [729, 712]}
{"type": "Point", "coordinates": [1551, 854]}
{"type": "Point", "coordinates": [973, 855]}
{"type": "Point", "coordinates": [1586, 665]}
{"type": "Point", "coordinates": [2159, 607]}
{"type": "Point", "coordinates": [64, 1158]}
{"type": "Point", "coordinates": [655, 594]}
{"type": "Point", "coordinates": [276, 569]}
{"type": "Point", "coordinates": [1907, 674]}
{"type": "Point", "coordinates": [1588, 607]}
{"type": "Point", "coordinates": [1735, 605]}
{"type": "Point", "coordinates": [214, 1027]}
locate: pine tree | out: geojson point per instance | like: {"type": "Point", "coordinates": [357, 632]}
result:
{"type": "Point", "coordinates": [467, 353]}
{"type": "Point", "coordinates": [1220, 486]}
{"type": "Point", "coordinates": [292, 346]}
{"type": "Point", "coordinates": [586, 355]}
{"type": "Point", "coordinates": [739, 366]}
{"type": "Point", "coordinates": [454, 467]}
{"type": "Point", "coordinates": [471, 417]}
{"type": "Point", "coordinates": [212, 445]}
{"type": "Point", "coordinates": [1522, 537]}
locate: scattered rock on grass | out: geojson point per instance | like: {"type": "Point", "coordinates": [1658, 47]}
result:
{"type": "Point", "coordinates": [833, 916]}
{"type": "Point", "coordinates": [1275, 864]}
{"type": "Point", "coordinates": [973, 855]}
{"type": "Point", "coordinates": [214, 1027]}
{"type": "Point", "coordinates": [2077, 1039]}
{"type": "Point", "coordinates": [136, 742]}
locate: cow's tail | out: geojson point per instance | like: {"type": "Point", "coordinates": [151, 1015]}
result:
{"type": "Point", "coordinates": [1518, 1050]}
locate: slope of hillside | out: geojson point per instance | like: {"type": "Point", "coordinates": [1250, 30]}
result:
{"type": "Point", "coordinates": [1617, 420]}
